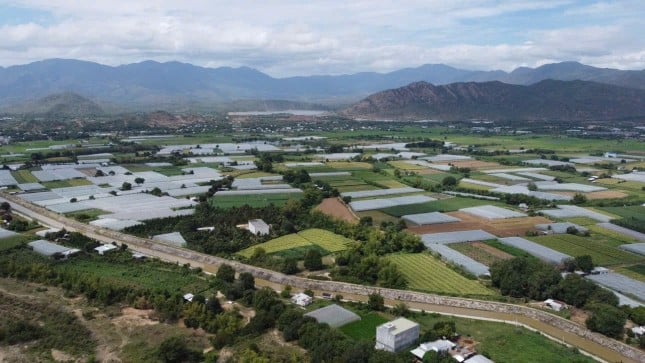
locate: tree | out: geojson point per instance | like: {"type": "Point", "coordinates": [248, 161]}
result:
{"type": "Point", "coordinates": [400, 309]}
{"type": "Point", "coordinates": [607, 320]}
{"type": "Point", "coordinates": [289, 266]}
{"type": "Point", "coordinates": [126, 186]}
{"type": "Point", "coordinates": [247, 281]}
{"type": "Point", "coordinates": [445, 329]}
{"type": "Point", "coordinates": [390, 276]}
{"type": "Point", "coordinates": [313, 260]}
{"type": "Point", "coordinates": [449, 181]}
{"type": "Point", "coordinates": [99, 173]}
{"type": "Point", "coordinates": [585, 263]}
{"type": "Point", "coordinates": [213, 306]}
{"type": "Point", "coordinates": [5, 206]}
{"type": "Point", "coordinates": [139, 180]}
{"type": "Point", "coordinates": [376, 302]}
{"type": "Point", "coordinates": [226, 273]}
{"type": "Point", "coordinates": [637, 315]}
{"type": "Point", "coordinates": [532, 186]}
{"type": "Point", "coordinates": [175, 350]}
{"type": "Point", "coordinates": [579, 199]}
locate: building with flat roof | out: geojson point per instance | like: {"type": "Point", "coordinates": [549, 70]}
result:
{"type": "Point", "coordinates": [258, 227]}
{"type": "Point", "coordinates": [301, 299]}
{"type": "Point", "coordinates": [396, 335]}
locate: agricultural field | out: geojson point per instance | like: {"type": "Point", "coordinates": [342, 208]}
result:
{"type": "Point", "coordinates": [480, 252]}
{"type": "Point", "coordinates": [445, 205]}
{"type": "Point", "coordinates": [24, 176]}
{"type": "Point", "coordinates": [66, 183]}
{"type": "Point", "coordinates": [425, 273]}
{"type": "Point", "coordinates": [510, 250]}
{"type": "Point", "coordinates": [256, 201]}
{"type": "Point", "coordinates": [337, 209]}
{"type": "Point", "coordinates": [603, 252]}
{"type": "Point", "coordinates": [326, 240]}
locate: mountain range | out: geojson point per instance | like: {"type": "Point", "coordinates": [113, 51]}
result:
{"type": "Point", "coordinates": [176, 86]}
{"type": "Point", "coordinates": [545, 100]}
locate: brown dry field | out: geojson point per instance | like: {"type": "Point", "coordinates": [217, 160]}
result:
{"type": "Point", "coordinates": [476, 164]}
{"type": "Point", "coordinates": [492, 251]}
{"type": "Point", "coordinates": [603, 194]}
{"type": "Point", "coordinates": [335, 208]}
{"type": "Point", "coordinates": [501, 227]}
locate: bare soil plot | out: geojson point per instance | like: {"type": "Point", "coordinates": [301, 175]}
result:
{"type": "Point", "coordinates": [501, 228]}
{"type": "Point", "coordinates": [480, 252]}
{"type": "Point", "coordinates": [603, 194]}
{"type": "Point", "coordinates": [337, 209]}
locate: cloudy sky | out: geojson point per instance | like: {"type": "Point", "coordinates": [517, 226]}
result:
{"type": "Point", "coordinates": [303, 37]}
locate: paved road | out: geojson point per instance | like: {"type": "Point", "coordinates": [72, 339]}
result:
{"type": "Point", "coordinates": [555, 328]}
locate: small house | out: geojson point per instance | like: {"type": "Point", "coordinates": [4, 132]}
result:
{"type": "Point", "coordinates": [599, 270]}
{"type": "Point", "coordinates": [478, 359]}
{"type": "Point", "coordinates": [301, 299]}
{"type": "Point", "coordinates": [638, 331]}
{"type": "Point", "coordinates": [440, 345]}
{"type": "Point", "coordinates": [554, 305]}
{"type": "Point", "coordinates": [258, 227]}
{"type": "Point", "coordinates": [396, 335]}
{"type": "Point", "coordinates": [103, 249]}
{"type": "Point", "coordinates": [188, 297]}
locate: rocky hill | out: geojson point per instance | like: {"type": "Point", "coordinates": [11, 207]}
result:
{"type": "Point", "coordinates": [550, 100]}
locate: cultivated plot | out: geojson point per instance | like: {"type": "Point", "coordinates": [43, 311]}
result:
{"type": "Point", "coordinates": [425, 273]}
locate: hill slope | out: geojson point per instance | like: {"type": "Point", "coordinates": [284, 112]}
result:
{"type": "Point", "coordinates": [64, 105]}
{"type": "Point", "coordinates": [554, 100]}
{"type": "Point", "coordinates": [175, 85]}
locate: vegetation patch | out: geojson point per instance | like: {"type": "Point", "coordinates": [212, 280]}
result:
{"type": "Point", "coordinates": [66, 183]}
{"type": "Point", "coordinates": [364, 329]}
{"type": "Point", "coordinates": [601, 253]}
{"type": "Point", "coordinates": [256, 201]}
{"type": "Point", "coordinates": [426, 273]}
{"type": "Point", "coordinates": [24, 176]}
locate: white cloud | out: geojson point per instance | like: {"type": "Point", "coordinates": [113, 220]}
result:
{"type": "Point", "coordinates": [290, 37]}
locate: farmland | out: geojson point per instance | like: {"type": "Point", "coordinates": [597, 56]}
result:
{"type": "Point", "coordinates": [480, 252]}
{"type": "Point", "coordinates": [425, 273]}
{"type": "Point", "coordinates": [328, 241]}
{"type": "Point", "coordinates": [636, 272]}
{"type": "Point", "coordinates": [259, 200]}
{"type": "Point", "coordinates": [24, 176]}
{"type": "Point", "coordinates": [337, 209]}
{"type": "Point", "coordinates": [445, 205]}
{"type": "Point", "coordinates": [601, 252]}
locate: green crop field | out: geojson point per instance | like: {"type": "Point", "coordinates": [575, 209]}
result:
{"type": "Point", "coordinates": [24, 176]}
{"type": "Point", "coordinates": [445, 205]}
{"type": "Point", "coordinates": [602, 253]}
{"type": "Point", "coordinates": [425, 273]}
{"type": "Point", "coordinates": [508, 249]}
{"type": "Point", "coordinates": [278, 244]}
{"type": "Point", "coordinates": [610, 234]}
{"type": "Point", "coordinates": [66, 183]}
{"type": "Point", "coordinates": [364, 329]}
{"type": "Point", "coordinates": [327, 240]}
{"type": "Point", "coordinates": [15, 241]}
{"type": "Point", "coordinates": [253, 200]}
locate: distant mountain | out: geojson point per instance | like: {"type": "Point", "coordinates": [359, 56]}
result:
{"type": "Point", "coordinates": [151, 85]}
{"type": "Point", "coordinates": [550, 100]}
{"type": "Point", "coordinates": [63, 105]}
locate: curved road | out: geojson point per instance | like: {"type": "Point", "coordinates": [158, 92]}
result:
{"type": "Point", "coordinates": [550, 325]}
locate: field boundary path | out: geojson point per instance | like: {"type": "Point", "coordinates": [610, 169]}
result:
{"type": "Point", "coordinates": [548, 324]}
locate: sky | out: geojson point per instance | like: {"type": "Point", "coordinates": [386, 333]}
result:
{"type": "Point", "coordinates": [305, 37]}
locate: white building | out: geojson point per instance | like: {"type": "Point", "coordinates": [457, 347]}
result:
{"type": "Point", "coordinates": [396, 335]}
{"type": "Point", "coordinates": [638, 331]}
{"type": "Point", "coordinates": [440, 345]}
{"type": "Point", "coordinates": [102, 249]}
{"type": "Point", "coordinates": [258, 227]}
{"type": "Point", "coordinates": [554, 305]}
{"type": "Point", "coordinates": [301, 299]}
